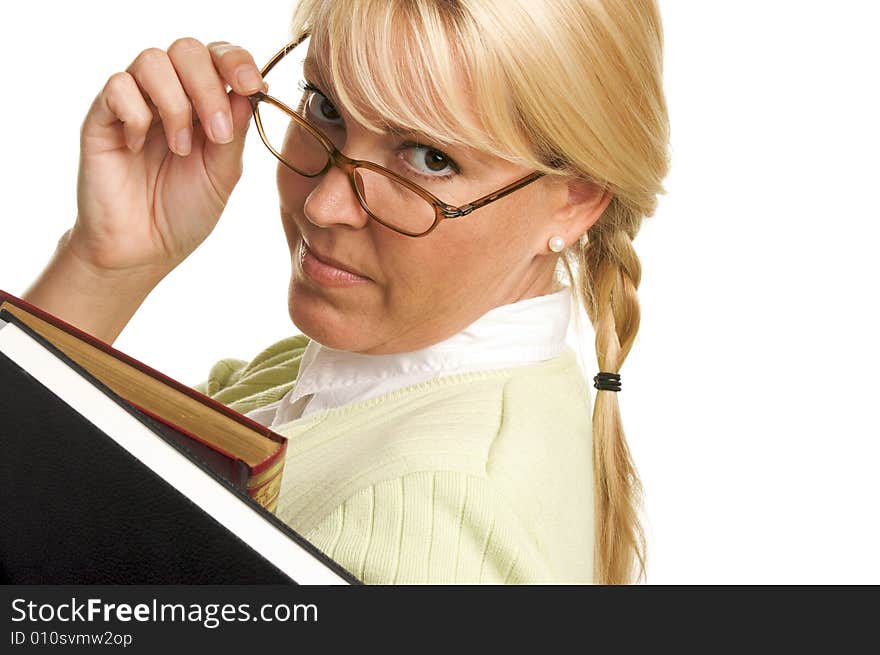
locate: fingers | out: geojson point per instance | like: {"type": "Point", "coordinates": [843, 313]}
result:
{"type": "Point", "coordinates": [202, 84]}
{"type": "Point", "coordinates": [185, 83]}
{"type": "Point", "coordinates": [121, 100]}
{"type": "Point", "coordinates": [237, 67]}
{"type": "Point", "coordinates": [156, 77]}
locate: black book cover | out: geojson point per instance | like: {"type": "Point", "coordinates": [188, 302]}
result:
{"type": "Point", "coordinates": [77, 508]}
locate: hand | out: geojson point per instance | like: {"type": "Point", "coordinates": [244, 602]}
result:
{"type": "Point", "coordinates": [160, 152]}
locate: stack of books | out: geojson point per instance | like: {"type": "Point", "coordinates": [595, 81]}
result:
{"type": "Point", "coordinates": [113, 473]}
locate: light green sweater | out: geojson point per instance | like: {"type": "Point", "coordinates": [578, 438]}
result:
{"type": "Point", "coordinates": [482, 477]}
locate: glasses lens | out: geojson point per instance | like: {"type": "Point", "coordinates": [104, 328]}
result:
{"type": "Point", "coordinates": [286, 137]}
{"type": "Point", "coordinates": [295, 144]}
{"type": "Point", "coordinates": [393, 203]}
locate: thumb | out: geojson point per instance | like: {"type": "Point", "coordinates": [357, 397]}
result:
{"type": "Point", "coordinates": [225, 159]}
{"type": "Point", "coordinates": [242, 114]}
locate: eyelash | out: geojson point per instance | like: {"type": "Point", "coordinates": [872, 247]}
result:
{"type": "Point", "coordinates": [308, 86]}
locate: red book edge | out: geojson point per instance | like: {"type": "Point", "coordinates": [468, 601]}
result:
{"type": "Point", "coordinates": [171, 382]}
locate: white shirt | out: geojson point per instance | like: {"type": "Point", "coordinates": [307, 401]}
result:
{"type": "Point", "coordinates": [515, 334]}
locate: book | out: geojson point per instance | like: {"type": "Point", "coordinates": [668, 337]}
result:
{"type": "Point", "coordinates": [113, 473]}
{"type": "Point", "coordinates": [248, 454]}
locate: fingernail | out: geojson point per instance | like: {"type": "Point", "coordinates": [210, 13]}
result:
{"type": "Point", "coordinates": [221, 128]}
{"type": "Point", "coordinates": [183, 141]}
{"type": "Point", "coordinates": [249, 79]}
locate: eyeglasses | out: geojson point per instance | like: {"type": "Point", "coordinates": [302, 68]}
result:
{"type": "Point", "coordinates": [405, 207]}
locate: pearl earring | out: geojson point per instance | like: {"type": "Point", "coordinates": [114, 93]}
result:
{"type": "Point", "coordinates": [556, 244]}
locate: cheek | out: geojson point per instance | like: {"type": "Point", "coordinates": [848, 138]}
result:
{"type": "Point", "coordinates": [444, 267]}
{"type": "Point", "coordinates": [293, 190]}
{"type": "Point", "coordinates": [474, 245]}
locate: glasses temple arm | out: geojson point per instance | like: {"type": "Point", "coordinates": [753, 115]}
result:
{"type": "Point", "coordinates": [454, 212]}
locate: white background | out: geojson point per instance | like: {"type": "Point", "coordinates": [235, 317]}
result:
{"type": "Point", "coordinates": [750, 396]}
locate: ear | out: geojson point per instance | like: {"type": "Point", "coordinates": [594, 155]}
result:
{"type": "Point", "coordinates": [580, 204]}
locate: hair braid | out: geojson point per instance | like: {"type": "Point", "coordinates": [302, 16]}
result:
{"type": "Point", "coordinates": [610, 272]}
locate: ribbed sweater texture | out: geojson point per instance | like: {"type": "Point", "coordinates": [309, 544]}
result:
{"type": "Point", "coordinates": [476, 478]}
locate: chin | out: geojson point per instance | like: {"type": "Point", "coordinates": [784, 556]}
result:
{"type": "Point", "coordinates": [321, 321]}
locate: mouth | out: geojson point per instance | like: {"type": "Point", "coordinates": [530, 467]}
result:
{"type": "Point", "coordinates": [327, 270]}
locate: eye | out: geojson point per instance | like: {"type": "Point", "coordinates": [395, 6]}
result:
{"type": "Point", "coordinates": [428, 162]}
{"type": "Point", "coordinates": [317, 106]}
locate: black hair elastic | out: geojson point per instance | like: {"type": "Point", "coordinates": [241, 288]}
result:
{"type": "Point", "coordinates": [607, 381]}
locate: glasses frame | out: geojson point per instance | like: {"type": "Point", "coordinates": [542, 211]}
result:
{"type": "Point", "coordinates": [442, 210]}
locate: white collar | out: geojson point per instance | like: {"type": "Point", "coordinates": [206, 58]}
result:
{"type": "Point", "coordinates": [518, 333]}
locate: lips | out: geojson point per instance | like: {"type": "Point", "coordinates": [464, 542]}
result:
{"type": "Point", "coordinates": [330, 261]}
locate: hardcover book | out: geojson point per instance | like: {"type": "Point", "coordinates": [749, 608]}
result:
{"type": "Point", "coordinates": [114, 473]}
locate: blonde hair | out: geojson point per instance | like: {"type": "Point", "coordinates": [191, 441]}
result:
{"type": "Point", "coordinates": [572, 88]}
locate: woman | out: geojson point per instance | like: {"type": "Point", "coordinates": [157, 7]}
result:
{"type": "Point", "coordinates": [439, 428]}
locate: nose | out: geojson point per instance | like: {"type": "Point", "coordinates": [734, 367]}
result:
{"type": "Point", "coordinates": [333, 202]}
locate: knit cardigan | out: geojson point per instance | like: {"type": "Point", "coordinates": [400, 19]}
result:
{"type": "Point", "coordinates": [480, 477]}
